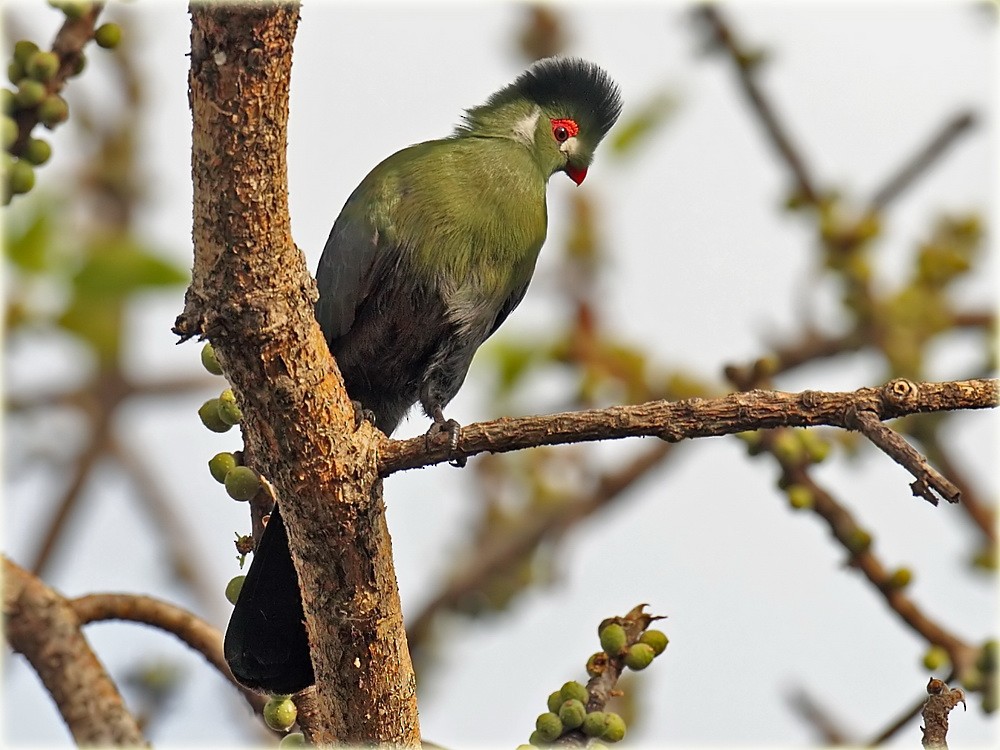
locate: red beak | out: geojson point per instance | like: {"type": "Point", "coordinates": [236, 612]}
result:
{"type": "Point", "coordinates": [576, 174]}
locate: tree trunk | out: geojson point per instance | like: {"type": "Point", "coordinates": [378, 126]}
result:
{"type": "Point", "coordinates": [252, 296]}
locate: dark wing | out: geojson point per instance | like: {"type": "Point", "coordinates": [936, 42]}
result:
{"type": "Point", "coordinates": [508, 306]}
{"type": "Point", "coordinates": [345, 269]}
{"type": "Point", "coordinates": [266, 644]}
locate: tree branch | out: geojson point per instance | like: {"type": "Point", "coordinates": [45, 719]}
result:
{"type": "Point", "coordinates": [818, 717]}
{"type": "Point", "coordinates": [896, 724]}
{"type": "Point", "coordinates": [746, 64]}
{"type": "Point", "coordinates": [957, 126]}
{"type": "Point", "coordinates": [928, 479]}
{"type": "Point", "coordinates": [940, 701]}
{"type": "Point", "coordinates": [187, 626]}
{"type": "Point", "coordinates": [691, 418]}
{"type": "Point", "coordinates": [96, 448]}
{"type": "Point", "coordinates": [858, 544]}
{"type": "Point", "coordinates": [42, 625]}
{"type": "Point", "coordinates": [253, 297]}
{"type": "Point", "coordinates": [500, 556]}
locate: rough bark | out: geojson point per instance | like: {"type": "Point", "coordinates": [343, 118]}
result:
{"type": "Point", "coordinates": [42, 625]}
{"type": "Point", "coordinates": [674, 421]}
{"type": "Point", "coordinates": [251, 295]}
{"type": "Point", "coordinates": [940, 701]}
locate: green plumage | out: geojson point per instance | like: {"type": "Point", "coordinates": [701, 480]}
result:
{"type": "Point", "coordinates": [437, 244]}
{"type": "Point", "coordinates": [469, 209]}
{"type": "Point", "coordinates": [430, 254]}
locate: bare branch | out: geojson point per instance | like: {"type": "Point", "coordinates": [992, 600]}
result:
{"type": "Point", "coordinates": [957, 126]}
{"type": "Point", "coordinates": [41, 625]}
{"type": "Point", "coordinates": [746, 64]}
{"type": "Point", "coordinates": [928, 479]}
{"type": "Point", "coordinates": [551, 525]}
{"type": "Point", "coordinates": [818, 717]}
{"type": "Point", "coordinates": [187, 626]}
{"type": "Point", "coordinates": [96, 447]}
{"type": "Point", "coordinates": [975, 319]}
{"type": "Point", "coordinates": [898, 723]}
{"type": "Point", "coordinates": [691, 418]}
{"type": "Point", "coordinates": [941, 700]}
{"type": "Point", "coordinates": [858, 544]}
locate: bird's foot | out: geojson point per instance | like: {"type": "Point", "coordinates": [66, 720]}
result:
{"type": "Point", "coordinates": [454, 431]}
{"type": "Point", "coordinates": [361, 414]}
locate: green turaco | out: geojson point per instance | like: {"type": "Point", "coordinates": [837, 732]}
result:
{"type": "Point", "coordinates": [430, 254]}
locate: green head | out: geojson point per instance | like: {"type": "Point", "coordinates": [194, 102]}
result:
{"type": "Point", "coordinates": [560, 108]}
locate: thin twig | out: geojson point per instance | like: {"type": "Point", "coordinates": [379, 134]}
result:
{"type": "Point", "coordinates": [974, 319]}
{"type": "Point", "coordinates": [746, 64]}
{"type": "Point", "coordinates": [551, 525]}
{"type": "Point", "coordinates": [858, 544]}
{"type": "Point", "coordinates": [818, 717]}
{"type": "Point", "coordinates": [898, 723]}
{"type": "Point", "coordinates": [187, 626]}
{"type": "Point", "coordinates": [96, 448]}
{"type": "Point", "coordinates": [928, 479]}
{"type": "Point", "coordinates": [916, 165]}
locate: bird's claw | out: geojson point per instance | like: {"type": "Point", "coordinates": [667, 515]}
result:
{"type": "Point", "coordinates": [454, 432]}
{"type": "Point", "coordinates": [362, 415]}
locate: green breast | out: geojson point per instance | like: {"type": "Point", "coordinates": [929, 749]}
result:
{"type": "Point", "coordinates": [466, 211]}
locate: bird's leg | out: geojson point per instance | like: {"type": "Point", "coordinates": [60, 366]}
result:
{"type": "Point", "coordinates": [361, 414]}
{"type": "Point", "coordinates": [454, 430]}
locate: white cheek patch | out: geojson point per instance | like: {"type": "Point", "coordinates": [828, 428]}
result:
{"type": "Point", "coordinates": [524, 129]}
{"type": "Point", "coordinates": [570, 147]}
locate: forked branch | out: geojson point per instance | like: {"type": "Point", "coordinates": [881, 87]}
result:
{"type": "Point", "coordinates": [680, 420]}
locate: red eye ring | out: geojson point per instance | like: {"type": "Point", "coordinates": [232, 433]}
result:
{"type": "Point", "coordinates": [563, 130]}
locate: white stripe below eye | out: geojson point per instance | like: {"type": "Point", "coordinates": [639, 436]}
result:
{"type": "Point", "coordinates": [570, 146]}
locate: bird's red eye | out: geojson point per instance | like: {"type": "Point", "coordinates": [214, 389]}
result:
{"type": "Point", "coordinates": [563, 130]}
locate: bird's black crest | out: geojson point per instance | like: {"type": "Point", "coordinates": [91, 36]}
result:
{"type": "Point", "coordinates": [569, 81]}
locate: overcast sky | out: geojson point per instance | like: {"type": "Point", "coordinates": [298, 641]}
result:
{"type": "Point", "coordinates": [705, 270]}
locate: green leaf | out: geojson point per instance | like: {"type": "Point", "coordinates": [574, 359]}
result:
{"type": "Point", "coordinates": [98, 321]}
{"type": "Point", "coordinates": [28, 246]}
{"type": "Point", "coordinates": [114, 268]}
{"type": "Point", "coordinates": [121, 266]}
{"type": "Point", "coordinates": [513, 362]}
{"type": "Point", "coordinates": [639, 127]}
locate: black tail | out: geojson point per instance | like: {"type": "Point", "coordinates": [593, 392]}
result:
{"type": "Point", "coordinates": [266, 644]}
